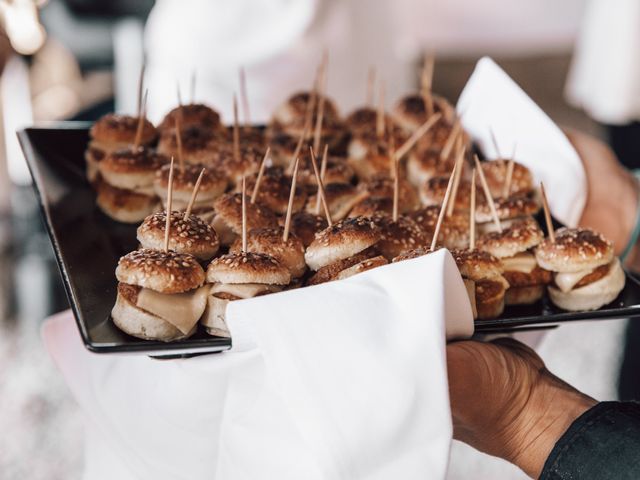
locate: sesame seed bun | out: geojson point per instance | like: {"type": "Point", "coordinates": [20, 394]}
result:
{"type": "Point", "coordinates": [363, 266]}
{"type": "Point", "coordinates": [411, 111]}
{"type": "Point", "coordinates": [372, 206]}
{"type": "Point", "coordinates": [382, 187]}
{"type": "Point", "coordinates": [192, 236]}
{"type": "Point", "coordinates": [411, 254]}
{"type": "Point", "coordinates": [337, 171]}
{"type": "Point", "coordinates": [198, 144]}
{"type": "Point", "coordinates": [370, 165]}
{"type": "Point", "coordinates": [142, 324]}
{"type": "Point", "coordinates": [454, 231]}
{"type": "Point", "coordinates": [283, 146]}
{"type": "Point", "coordinates": [341, 198]}
{"type": "Point", "coordinates": [399, 236]}
{"type": "Point", "coordinates": [195, 114]}
{"type": "Point", "coordinates": [305, 225]}
{"type": "Point", "coordinates": [477, 265]}
{"type": "Point", "coordinates": [131, 169]}
{"type": "Point", "coordinates": [331, 271]}
{"type": "Point", "coordinates": [247, 267]}
{"type": "Point", "coordinates": [495, 171]}
{"type": "Point", "coordinates": [490, 299]}
{"type": "Point", "coordinates": [235, 168]}
{"type": "Point", "coordinates": [269, 241]}
{"type": "Point", "coordinates": [433, 191]}
{"type": "Point", "coordinates": [593, 295]}
{"type": "Point", "coordinates": [524, 295]}
{"type": "Point", "coordinates": [515, 206]}
{"type": "Point", "coordinates": [123, 205]}
{"type": "Point", "coordinates": [575, 250]}
{"type": "Point", "coordinates": [163, 272]}
{"type": "Point", "coordinates": [213, 184]}
{"type": "Point", "coordinates": [291, 115]}
{"type": "Point", "coordinates": [121, 129]}
{"type": "Point", "coordinates": [341, 240]}
{"type": "Point", "coordinates": [274, 191]}
{"type": "Point", "coordinates": [228, 218]}
{"type": "Point", "coordinates": [516, 238]}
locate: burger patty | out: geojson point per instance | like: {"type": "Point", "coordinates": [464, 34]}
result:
{"type": "Point", "coordinates": [129, 292]}
{"type": "Point", "coordinates": [594, 276]}
{"type": "Point", "coordinates": [488, 290]}
{"type": "Point", "coordinates": [538, 276]}
{"type": "Point", "coordinates": [329, 272]}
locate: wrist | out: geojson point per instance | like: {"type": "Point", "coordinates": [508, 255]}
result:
{"type": "Point", "coordinates": [548, 415]}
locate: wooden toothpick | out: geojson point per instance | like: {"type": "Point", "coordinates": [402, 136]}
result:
{"type": "Point", "coordinates": [323, 171]}
{"type": "Point", "coordinates": [296, 152]}
{"type": "Point", "coordinates": [244, 98]}
{"type": "Point", "coordinates": [487, 193]}
{"type": "Point", "coordinates": [451, 140]}
{"type": "Point", "coordinates": [194, 194]}
{"type": "Point", "coordinates": [179, 95]}
{"type": "Point", "coordinates": [456, 182]}
{"type": "Point", "coordinates": [256, 187]}
{"type": "Point", "coordinates": [179, 142]}
{"type": "Point", "coordinates": [443, 208]}
{"type": "Point", "coordinates": [506, 190]}
{"type": "Point", "coordinates": [426, 82]}
{"type": "Point", "coordinates": [494, 140]}
{"type": "Point", "coordinates": [167, 225]}
{"type": "Point", "coordinates": [322, 98]}
{"type": "Point", "coordinates": [371, 83]}
{"type": "Point", "coordinates": [547, 214]}
{"type": "Point", "coordinates": [472, 212]}
{"type": "Point", "coordinates": [417, 135]}
{"type": "Point", "coordinates": [396, 188]}
{"type": "Point", "coordinates": [320, 187]}
{"type": "Point", "coordinates": [244, 216]}
{"type": "Point", "coordinates": [140, 89]}
{"type": "Point", "coordinates": [236, 131]}
{"type": "Point", "coordinates": [292, 194]}
{"type": "Point", "coordinates": [141, 117]}
{"type": "Point", "coordinates": [380, 120]}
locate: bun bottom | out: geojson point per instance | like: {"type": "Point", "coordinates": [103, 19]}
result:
{"type": "Point", "coordinates": [470, 285]}
{"type": "Point", "coordinates": [213, 318]}
{"type": "Point", "coordinates": [591, 296]}
{"type": "Point", "coordinates": [489, 299]}
{"type": "Point", "coordinates": [140, 324]}
{"type": "Point", "coordinates": [124, 205]}
{"type": "Point", "coordinates": [524, 295]}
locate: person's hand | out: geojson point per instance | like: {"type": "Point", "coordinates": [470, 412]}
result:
{"type": "Point", "coordinates": [612, 191]}
{"type": "Point", "coordinates": [504, 401]}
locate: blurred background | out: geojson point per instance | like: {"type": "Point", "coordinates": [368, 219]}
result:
{"type": "Point", "coordinates": [79, 59]}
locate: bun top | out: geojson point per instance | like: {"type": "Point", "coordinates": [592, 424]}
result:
{"type": "Point", "coordinates": [370, 207]}
{"type": "Point", "coordinates": [518, 205]}
{"type": "Point", "coordinates": [195, 114]}
{"type": "Point", "coordinates": [140, 160]}
{"type": "Point", "coordinates": [495, 171]}
{"type": "Point", "coordinates": [382, 187]}
{"type": "Point", "coordinates": [477, 265]}
{"type": "Point", "coordinates": [292, 113]}
{"type": "Point", "coordinates": [185, 180]}
{"type": "Point", "coordinates": [518, 237]}
{"type": "Point", "coordinates": [275, 188]}
{"type": "Point", "coordinates": [342, 240]}
{"type": "Point", "coordinates": [247, 164]}
{"type": "Point", "coordinates": [194, 138]}
{"type": "Point", "coordinates": [247, 267]}
{"type": "Point", "coordinates": [434, 189]}
{"type": "Point", "coordinates": [192, 235]}
{"type": "Point", "coordinates": [411, 254]}
{"type": "Point", "coordinates": [115, 128]}
{"type": "Point", "coordinates": [229, 208]}
{"type": "Point", "coordinates": [411, 111]}
{"type": "Point", "coordinates": [305, 225]}
{"type": "Point", "coordinates": [575, 250]}
{"type": "Point", "coordinates": [270, 242]}
{"type": "Point", "coordinates": [398, 237]}
{"type": "Point", "coordinates": [428, 160]}
{"type": "Point", "coordinates": [164, 272]}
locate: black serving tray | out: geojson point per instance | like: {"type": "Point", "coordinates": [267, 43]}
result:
{"type": "Point", "coordinates": [88, 244]}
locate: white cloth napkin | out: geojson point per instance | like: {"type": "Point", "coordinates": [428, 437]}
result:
{"type": "Point", "coordinates": [491, 100]}
{"type": "Point", "coordinates": [345, 380]}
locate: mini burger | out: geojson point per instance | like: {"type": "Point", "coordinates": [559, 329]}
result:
{"type": "Point", "coordinates": [432, 192]}
{"type": "Point", "coordinates": [227, 220]}
{"type": "Point", "coordinates": [270, 242]}
{"type": "Point", "coordinates": [305, 225]}
{"type": "Point", "coordinates": [489, 286]}
{"type": "Point", "coordinates": [337, 170]}
{"type": "Point", "coordinates": [192, 235]}
{"type": "Point", "coordinates": [454, 231]}
{"type": "Point", "coordinates": [212, 185]}
{"type": "Point", "coordinates": [114, 132]}
{"type": "Point", "coordinates": [397, 237]}
{"type": "Point", "coordinates": [274, 190]}
{"type": "Point", "coordinates": [370, 207]}
{"type": "Point", "coordinates": [160, 295]}
{"type": "Point", "coordinates": [586, 275]}
{"type": "Point", "coordinates": [424, 164]}
{"type": "Point", "coordinates": [238, 276]}
{"type": "Point", "coordinates": [342, 246]}
{"type": "Point", "coordinates": [517, 207]}
{"type": "Point", "coordinates": [411, 112]}
{"type": "Point", "coordinates": [340, 197]}
{"type": "Point", "coordinates": [382, 187]}
{"type": "Point", "coordinates": [495, 171]}
{"type": "Point", "coordinates": [192, 115]}
{"type": "Point", "coordinates": [514, 248]}
{"type": "Point", "coordinates": [291, 116]}
{"type": "Point", "coordinates": [126, 191]}
{"type": "Point", "coordinates": [199, 144]}
{"type": "Point", "coordinates": [236, 167]}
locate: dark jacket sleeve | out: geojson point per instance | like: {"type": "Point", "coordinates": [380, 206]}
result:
{"type": "Point", "coordinates": [603, 443]}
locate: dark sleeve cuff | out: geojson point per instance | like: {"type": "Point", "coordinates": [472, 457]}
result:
{"type": "Point", "coordinates": [603, 443]}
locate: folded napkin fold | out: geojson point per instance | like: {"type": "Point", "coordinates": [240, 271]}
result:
{"type": "Point", "coordinates": [345, 380]}
{"type": "Point", "coordinates": [492, 101]}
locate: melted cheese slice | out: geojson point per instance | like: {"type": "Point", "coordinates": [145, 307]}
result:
{"type": "Point", "coordinates": [182, 310]}
{"type": "Point", "coordinates": [523, 262]}
{"type": "Point", "coordinates": [566, 281]}
{"type": "Point", "coordinates": [245, 290]}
